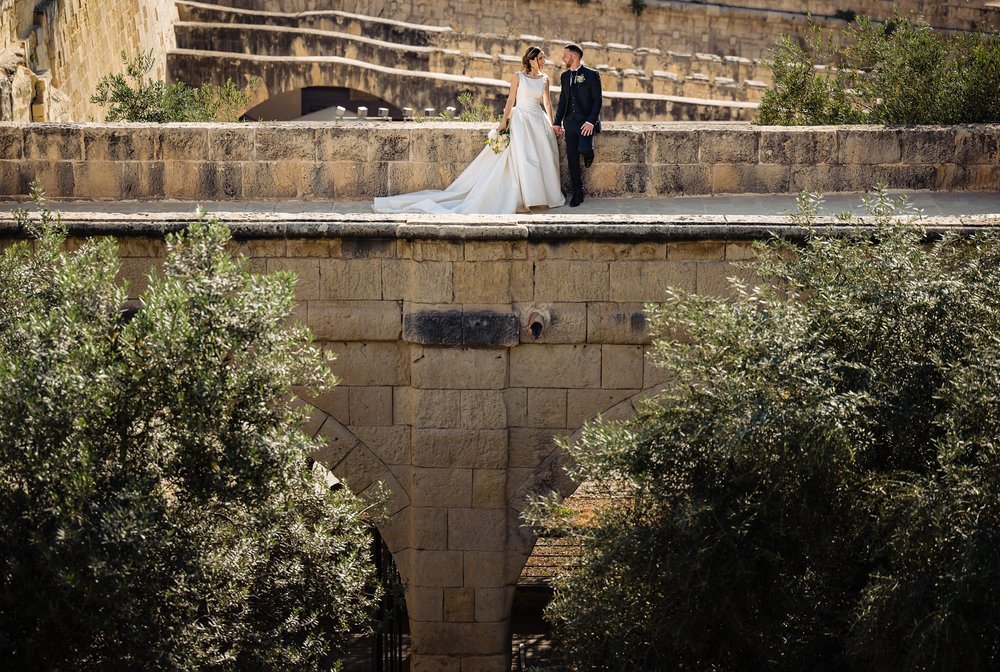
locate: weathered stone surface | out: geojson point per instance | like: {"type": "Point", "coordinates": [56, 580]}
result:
{"type": "Point", "coordinates": [571, 281]}
{"type": "Point", "coordinates": [555, 366]}
{"type": "Point", "coordinates": [783, 146]}
{"type": "Point", "coordinates": [389, 444]}
{"type": "Point", "coordinates": [495, 250]}
{"type": "Point", "coordinates": [307, 283]}
{"type": "Point", "coordinates": [563, 322]}
{"type": "Point", "coordinates": [437, 568]}
{"type": "Point", "coordinates": [493, 604]}
{"type": "Point", "coordinates": [371, 406]}
{"type": "Point", "coordinates": [426, 282]}
{"type": "Point", "coordinates": [459, 605]}
{"type": "Point", "coordinates": [546, 407]}
{"type": "Point", "coordinates": [477, 529]}
{"type": "Point", "coordinates": [482, 282]}
{"type": "Point", "coordinates": [750, 178]}
{"type": "Point", "coordinates": [636, 251]}
{"type": "Point", "coordinates": [483, 409]}
{"type": "Point", "coordinates": [649, 280]}
{"type": "Point", "coordinates": [585, 405]}
{"type": "Point", "coordinates": [691, 179]}
{"type": "Point", "coordinates": [621, 366]}
{"type": "Point", "coordinates": [371, 363]}
{"type": "Point", "coordinates": [459, 638]}
{"type": "Point", "coordinates": [860, 145]}
{"type": "Point", "coordinates": [459, 368]}
{"type": "Point", "coordinates": [425, 603]}
{"type": "Point", "coordinates": [489, 488]}
{"type": "Point", "coordinates": [428, 408]}
{"type": "Point", "coordinates": [430, 526]}
{"type": "Point", "coordinates": [441, 487]}
{"type": "Point", "coordinates": [459, 448]}
{"type": "Point", "coordinates": [355, 320]}
{"type": "Point", "coordinates": [516, 402]}
{"type": "Point", "coordinates": [735, 146]}
{"type": "Point", "coordinates": [529, 445]}
{"type": "Point", "coordinates": [673, 148]}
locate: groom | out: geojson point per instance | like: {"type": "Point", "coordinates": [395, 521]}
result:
{"type": "Point", "coordinates": [578, 116]}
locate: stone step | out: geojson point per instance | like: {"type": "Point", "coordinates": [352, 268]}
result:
{"type": "Point", "coordinates": [283, 41]}
{"type": "Point", "coordinates": [420, 90]}
{"type": "Point", "coordinates": [618, 57]}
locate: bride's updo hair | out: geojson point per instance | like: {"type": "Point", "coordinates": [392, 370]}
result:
{"type": "Point", "coordinates": [530, 55]}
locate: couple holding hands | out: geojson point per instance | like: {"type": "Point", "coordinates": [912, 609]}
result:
{"type": "Point", "coordinates": [526, 173]}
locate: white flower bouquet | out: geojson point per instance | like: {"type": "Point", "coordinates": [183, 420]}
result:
{"type": "Point", "coordinates": [498, 140]}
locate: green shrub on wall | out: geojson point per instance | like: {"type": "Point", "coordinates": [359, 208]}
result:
{"type": "Point", "coordinates": [897, 72]}
{"type": "Point", "coordinates": [132, 96]}
{"type": "Point", "coordinates": [156, 506]}
{"type": "Point", "coordinates": [817, 485]}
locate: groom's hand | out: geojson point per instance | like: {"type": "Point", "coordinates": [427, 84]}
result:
{"type": "Point", "coordinates": [587, 128]}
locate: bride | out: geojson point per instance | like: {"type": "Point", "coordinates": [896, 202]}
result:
{"type": "Point", "coordinates": [524, 175]}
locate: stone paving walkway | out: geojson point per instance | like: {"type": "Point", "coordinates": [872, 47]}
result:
{"type": "Point", "coordinates": [932, 203]}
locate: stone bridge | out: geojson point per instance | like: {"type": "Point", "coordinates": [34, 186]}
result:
{"type": "Point", "coordinates": [465, 345]}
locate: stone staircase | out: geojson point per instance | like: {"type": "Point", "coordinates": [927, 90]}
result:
{"type": "Point", "coordinates": [646, 81]}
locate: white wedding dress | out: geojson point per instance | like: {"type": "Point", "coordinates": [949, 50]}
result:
{"type": "Point", "coordinates": [526, 174]}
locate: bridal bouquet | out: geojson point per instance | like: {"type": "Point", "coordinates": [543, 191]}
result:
{"type": "Point", "coordinates": [498, 140]}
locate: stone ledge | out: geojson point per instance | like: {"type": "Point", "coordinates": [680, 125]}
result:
{"type": "Point", "coordinates": [533, 228]}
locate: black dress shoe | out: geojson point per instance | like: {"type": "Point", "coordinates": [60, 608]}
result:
{"type": "Point", "coordinates": [576, 200]}
{"type": "Point", "coordinates": [588, 159]}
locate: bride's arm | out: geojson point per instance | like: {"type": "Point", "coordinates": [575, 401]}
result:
{"type": "Point", "coordinates": [510, 103]}
{"type": "Point", "coordinates": [547, 101]}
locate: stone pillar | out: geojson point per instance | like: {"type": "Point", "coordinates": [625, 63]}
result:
{"type": "Point", "coordinates": [458, 591]}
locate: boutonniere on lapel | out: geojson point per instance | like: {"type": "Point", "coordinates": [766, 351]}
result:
{"type": "Point", "coordinates": [580, 79]}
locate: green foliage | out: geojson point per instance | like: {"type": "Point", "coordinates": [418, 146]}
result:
{"type": "Point", "coordinates": [817, 486]}
{"type": "Point", "coordinates": [899, 72]}
{"type": "Point", "coordinates": [156, 506]}
{"type": "Point", "coordinates": [131, 96]}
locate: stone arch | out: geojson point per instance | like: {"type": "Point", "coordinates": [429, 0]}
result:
{"type": "Point", "coordinates": [551, 476]}
{"type": "Point", "coordinates": [401, 88]}
{"type": "Point", "coordinates": [316, 103]}
{"type": "Point", "coordinates": [361, 470]}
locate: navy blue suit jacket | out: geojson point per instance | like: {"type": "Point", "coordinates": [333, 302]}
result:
{"type": "Point", "coordinates": [588, 99]}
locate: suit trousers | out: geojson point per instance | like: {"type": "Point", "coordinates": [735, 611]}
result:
{"type": "Point", "coordinates": [576, 145]}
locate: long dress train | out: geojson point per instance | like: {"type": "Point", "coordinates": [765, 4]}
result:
{"type": "Point", "coordinates": [526, 174]}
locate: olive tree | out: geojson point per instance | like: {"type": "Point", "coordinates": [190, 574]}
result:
{"type": "Point", "coordinates": [817, 487]}
{"type": "Point", "coordinates": [157, 508]}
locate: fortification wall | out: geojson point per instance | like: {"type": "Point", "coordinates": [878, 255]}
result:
{"type": "Point", "coordinates": [66, 46]}
{"type": "Point", "coordinates": [745, 28]}
{"type": "Point", "coordinates": [359, 160]}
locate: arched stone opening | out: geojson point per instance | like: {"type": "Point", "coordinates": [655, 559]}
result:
{"type": "Point", "coordinates": [536, 560]}
{"type": "Point", "coordinates": [320, 103]}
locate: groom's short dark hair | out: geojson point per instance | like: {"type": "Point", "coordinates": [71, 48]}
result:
{"type": "Point", "coordinates": [575, 48]}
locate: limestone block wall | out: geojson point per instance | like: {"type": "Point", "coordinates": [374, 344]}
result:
{"type": "Point", "coordinates": [739, 27]}
{"type": "Point", "coordinates": [449, 398]}
{"type": "Point", "coordinates": [80, 41]}
{"type": "Point", "coordinates": [352, 161]}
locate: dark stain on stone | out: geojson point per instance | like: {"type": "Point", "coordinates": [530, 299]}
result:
{"type": "Point", "coordinates": [433, 327]}
{"type": "Point", "coordinates": [485, 328]}
{"type": "Point", "coordinates": [638, 323]}
{"type": "Point", "coordinates": [359, 248]}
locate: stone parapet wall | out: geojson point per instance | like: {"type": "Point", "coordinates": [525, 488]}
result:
{"type": "Point", "coordinates": [359, 160]}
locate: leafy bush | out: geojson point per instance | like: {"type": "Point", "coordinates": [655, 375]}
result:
{"type": "Point", "coordinates": [131, 96]}
{"type": "Point", "coordinates": [898, 72]}
{"type": "Point", "coordinates": [817, 486]}
{"type": "Point", "coordinates": [156, 506]}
